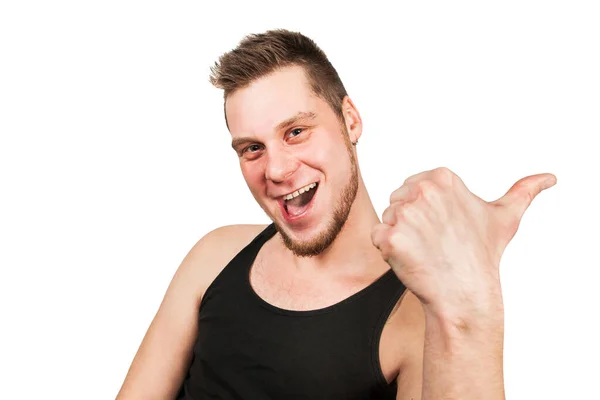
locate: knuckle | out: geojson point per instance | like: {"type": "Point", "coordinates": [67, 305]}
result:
{"type": "Point", "coordinates": [427, 187]}
{"type": "Point", "coordinates": [400, 215]}
{"type": "Point", "coordinates": [443, 176]}
{"type": "Point", "coordinates": [388, 216]}
{"type": "Point", "coordinates": [529, 196]}
{"type": "Point", "coordinates": [404, 213]}
{"type": "Point", "coordinates": [402, 194]}
{"type": "Point", "coordinates": [395, 240]}
{"type": "Point", "coordinates": [379, 236]}
{"type": "Point", "coordinates": [414, 178]}
{"type": "Point", "coordinates": [408, 180]}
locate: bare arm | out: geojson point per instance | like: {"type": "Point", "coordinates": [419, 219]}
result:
{"type": "Point", "coordinates": [162, 360]}
{"type": "Point", "coordinates": [451, 358]}
{"type": "Point", "coordinates": [463, 354]}
{"type": "Point", "coordinates": [445, 245]}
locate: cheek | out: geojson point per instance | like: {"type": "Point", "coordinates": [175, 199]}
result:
{"type": "Point", "coordinates": [327, 155]}
{"type": "Point", "coordinates": [253, 175]}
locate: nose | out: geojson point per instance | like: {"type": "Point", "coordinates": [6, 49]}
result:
{"type": "Point", "coordinates": [280, 165]}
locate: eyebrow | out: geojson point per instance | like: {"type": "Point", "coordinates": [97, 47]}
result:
{"type": "Point", "coordinates": [302, 116]}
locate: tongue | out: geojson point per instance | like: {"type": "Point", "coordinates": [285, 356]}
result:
{"type": "Point", "coordinates": [298, 205]}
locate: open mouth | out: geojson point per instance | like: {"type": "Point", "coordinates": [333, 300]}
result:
{"type": "Point", "coordinates": [297, 203]}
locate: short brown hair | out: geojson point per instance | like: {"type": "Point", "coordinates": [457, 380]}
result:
{"type": "Point", "coordinates": [260, 54]}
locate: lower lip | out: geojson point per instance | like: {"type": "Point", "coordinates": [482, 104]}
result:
{"type": "Point", "coordinates": [296, 218]}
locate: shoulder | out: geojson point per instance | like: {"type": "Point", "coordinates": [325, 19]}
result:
{"type": "Point", "coordinates": [224, 243]}
{"type": "Point", "coordinates": [207, 258]}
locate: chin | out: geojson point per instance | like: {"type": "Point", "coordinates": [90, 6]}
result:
{"type": "Point", "coordinates": [309, 241]}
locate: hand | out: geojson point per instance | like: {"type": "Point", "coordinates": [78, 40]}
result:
{"type": "Point", "coordinates": [445, 243]}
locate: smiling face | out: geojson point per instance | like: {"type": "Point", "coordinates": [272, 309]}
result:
{"type": "Point", "coordinates": [296, 158]}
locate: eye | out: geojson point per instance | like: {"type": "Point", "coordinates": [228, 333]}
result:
{"type": "Point", "coordinates": [295, 132]}
{"type": "Point", "coordinates": [253, 148]}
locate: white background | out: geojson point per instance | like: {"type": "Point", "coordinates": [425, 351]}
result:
{"type": "Point", "coordinates": [115, 160]}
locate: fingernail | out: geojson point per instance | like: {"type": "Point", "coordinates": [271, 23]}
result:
{"type": "Point", "coordinates": [549, 182]}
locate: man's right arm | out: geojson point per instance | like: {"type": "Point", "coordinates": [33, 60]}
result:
{"type": "Point", "coordinates": [162, 360]}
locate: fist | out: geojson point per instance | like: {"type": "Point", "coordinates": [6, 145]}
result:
{"type": "Point", "coordinates": [445, 243]}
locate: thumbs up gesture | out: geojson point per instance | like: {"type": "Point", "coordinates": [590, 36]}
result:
{"type": "Point", "coordinates": [445, 243]}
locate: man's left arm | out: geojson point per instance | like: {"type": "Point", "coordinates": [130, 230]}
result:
{"type": "Point", "coordinates": [438, 348]}
{"type": "Point", "coordinates": [445, 245]}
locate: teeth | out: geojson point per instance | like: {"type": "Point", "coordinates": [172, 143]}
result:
{"type": "Point", "coordinates": [299, 191]}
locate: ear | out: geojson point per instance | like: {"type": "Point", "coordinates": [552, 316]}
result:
{"type": "Point", "coordinates": [351, 119]}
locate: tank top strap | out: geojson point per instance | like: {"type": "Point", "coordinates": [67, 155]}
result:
{"type": "Point", "coordinates": [249, 253]}
{"type": "Point", "coordinates": [235, 272]}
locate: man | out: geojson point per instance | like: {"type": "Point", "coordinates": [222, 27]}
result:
{"type": "Point", "coordinates": [329, 302]}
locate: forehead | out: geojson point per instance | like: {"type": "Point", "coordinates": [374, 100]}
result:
{"type": "Point", "coordinates": [270, 100]}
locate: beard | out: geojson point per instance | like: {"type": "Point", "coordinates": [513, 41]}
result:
{"type": "Point", "coordinates": [324, 239]}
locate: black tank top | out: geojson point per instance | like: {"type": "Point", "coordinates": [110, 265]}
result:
{"type": "Point", "coordinates": [249, 349]}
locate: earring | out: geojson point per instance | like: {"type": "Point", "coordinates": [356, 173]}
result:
{"type": "Point", "coordinates": [355, 143]}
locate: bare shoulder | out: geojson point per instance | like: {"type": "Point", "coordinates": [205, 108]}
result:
{"type": "Point", "coordinates": [213, 251]}
{"type": "Point", "coordinates": [163, 357]}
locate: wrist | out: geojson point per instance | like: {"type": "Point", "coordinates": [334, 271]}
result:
{"type": "Point", "coordinates": [467, 326]}
{"type": "Point", "coordinates": [478, 312]}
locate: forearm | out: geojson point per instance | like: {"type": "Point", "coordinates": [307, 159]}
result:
{"type": "Point", "coordinates": [463, 355]}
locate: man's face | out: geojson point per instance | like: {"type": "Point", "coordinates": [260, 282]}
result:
{"type": "Point", "coordinates": [290, 141]}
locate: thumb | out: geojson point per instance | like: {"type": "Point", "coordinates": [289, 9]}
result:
{"type": "Point", "coordinates": [521, 194]}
